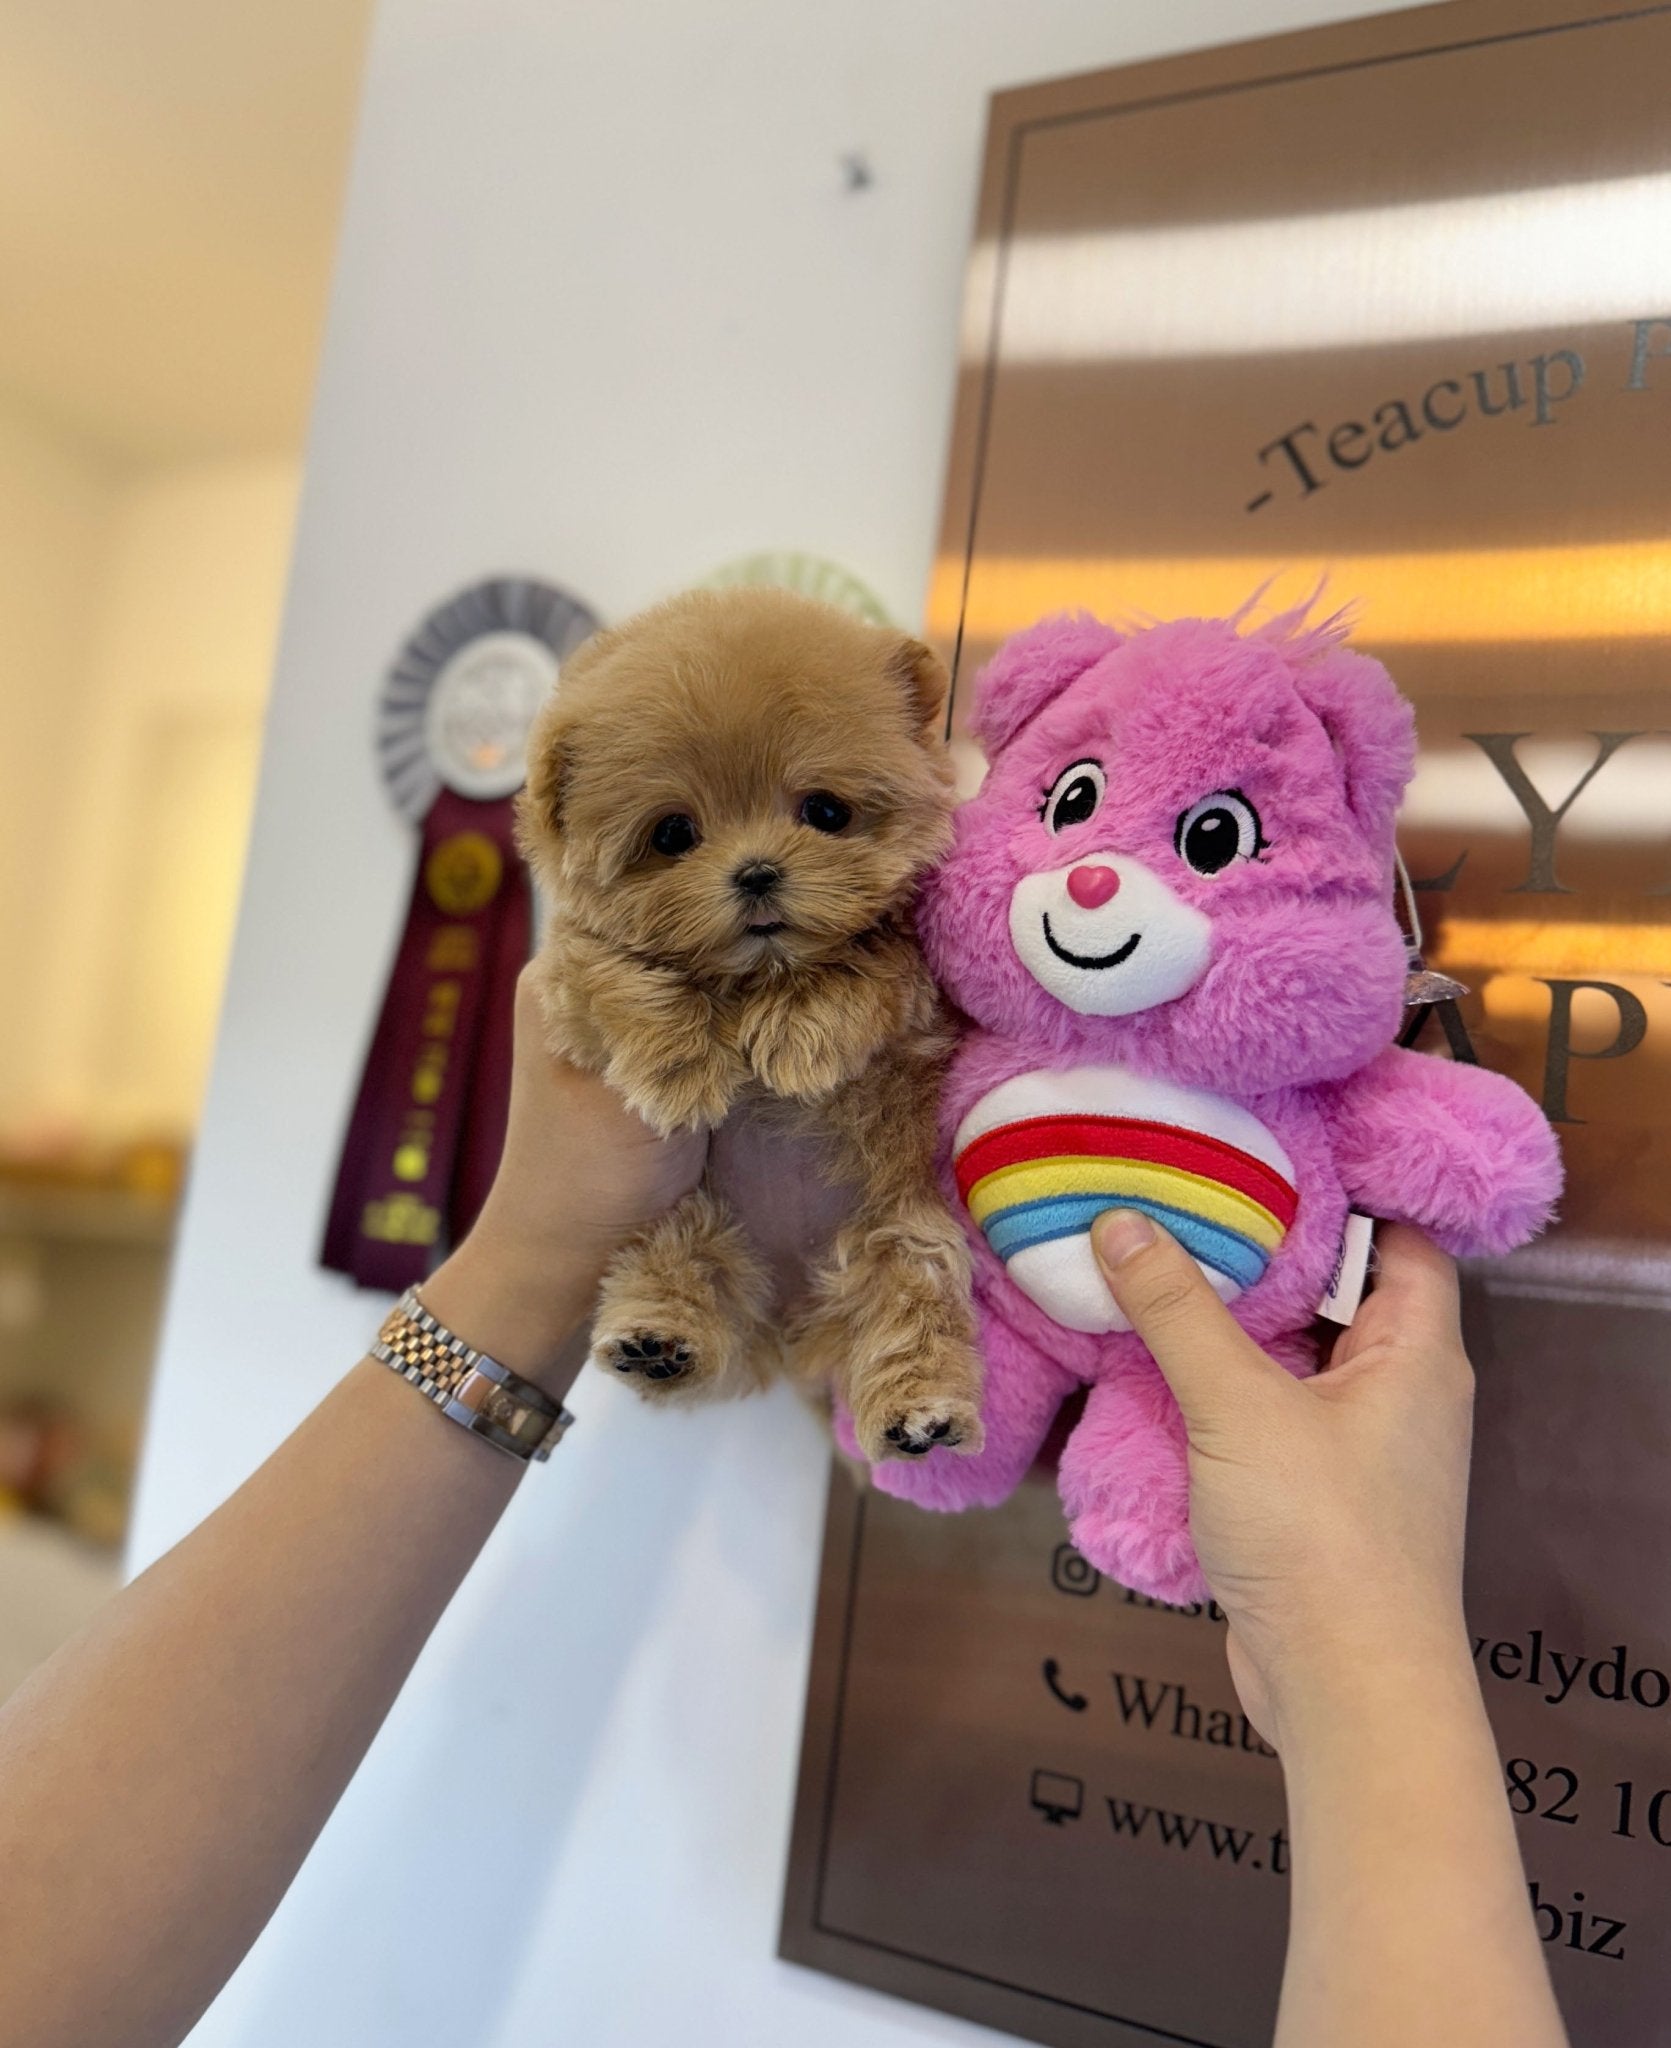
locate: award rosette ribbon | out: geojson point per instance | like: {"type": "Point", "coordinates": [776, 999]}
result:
{"type": "Point", "coordinates": [428, 1122]}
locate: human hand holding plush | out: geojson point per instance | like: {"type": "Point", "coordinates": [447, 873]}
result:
{"type": "Point", "coordinates": [1304, 1493]}
{"type": "Point", "coordinates": [1328, 1513]}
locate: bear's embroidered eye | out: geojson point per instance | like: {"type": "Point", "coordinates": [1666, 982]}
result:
{"type": "Point", "coordinates": [674, 835]}
{"type": "Point", "coordinates": [1074, 795]}
{"type": "Point", "coordinates": [1219, 829]}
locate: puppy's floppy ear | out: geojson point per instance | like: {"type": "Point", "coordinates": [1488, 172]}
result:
{"type": "Point", "coordinates": [539, 807]}
{"type": "Point", "coordinates": [1031, 668]}
{"type": "Point", "coordinates": [922, 675]}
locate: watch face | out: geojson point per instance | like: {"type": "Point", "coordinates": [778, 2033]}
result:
{"type": "Point", "coordinates": [462, 693]}
{"type": "Point", "coordinates": [809, 574]}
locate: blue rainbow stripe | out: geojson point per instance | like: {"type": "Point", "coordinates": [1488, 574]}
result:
{"type": "Point", "coordinates": [1025, 1224]}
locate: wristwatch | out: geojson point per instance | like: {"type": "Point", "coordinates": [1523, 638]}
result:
{"type": "Point", "coordinates": [469, 1388]}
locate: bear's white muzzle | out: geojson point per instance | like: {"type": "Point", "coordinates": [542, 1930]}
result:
{"type": "Point", "coordinates": [1107, 937]}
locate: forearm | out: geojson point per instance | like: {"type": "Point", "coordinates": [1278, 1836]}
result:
{"type": "Point", "coordinates": [1410, 1919]}
{"type": "Point", "coordinates": [162, 1778]}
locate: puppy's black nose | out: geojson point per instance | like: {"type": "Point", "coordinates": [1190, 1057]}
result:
{"type": "Point", "coordinates": [757, 878]}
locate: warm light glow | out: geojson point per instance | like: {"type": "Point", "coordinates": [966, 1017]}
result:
{"type": "Point", "coordinates": [1516, 999]}
{"type": "Point", "coordinates": [1509, 999]}
{"type": "Point", "coordinates": [1527, 946]}
{"type": "Point", "coordinates": [1615, 590]}
{"type": "Point", "coordinates": [1489, 264]}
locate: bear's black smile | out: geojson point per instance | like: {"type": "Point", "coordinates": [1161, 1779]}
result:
{"type": "Point", "coordinates": [1090, 959]}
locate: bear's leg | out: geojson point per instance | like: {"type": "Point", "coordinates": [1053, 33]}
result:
{"type": "Point", "coordinates": [1124, 1481]}
{"type": "Point", "coordinates": [1023, 1388]}
{"type": "Point", "coordinates": [682, 1311]}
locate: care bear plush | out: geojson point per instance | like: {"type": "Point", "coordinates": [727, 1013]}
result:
{"type": "Point", "coordinates": [1168, 917]}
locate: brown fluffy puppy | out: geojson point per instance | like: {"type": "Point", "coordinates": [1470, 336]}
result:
{"type": "Point", "coordinates": [730, 802]}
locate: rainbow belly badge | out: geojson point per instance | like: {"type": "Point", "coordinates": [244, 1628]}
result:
{"type": "Point", "coordinates": [1044, 1154]}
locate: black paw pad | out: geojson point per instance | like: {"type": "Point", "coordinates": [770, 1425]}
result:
{"type": "Point", "coordinates": [657, 1358]}
{"type": "Point", "coordinates": [916, 1440]}
{"type": "Point", "coordinates": [909, 1443]}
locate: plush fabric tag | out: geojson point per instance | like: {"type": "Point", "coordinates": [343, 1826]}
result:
{"type": "Point", "coordinates": [1351, 1269]}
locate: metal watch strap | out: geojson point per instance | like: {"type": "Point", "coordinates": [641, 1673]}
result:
{"type": "Point", "coordinates": [476, 1391]}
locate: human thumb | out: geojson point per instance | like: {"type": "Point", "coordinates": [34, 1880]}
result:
{"type": "Point", "coordinates": [1209, 1361]}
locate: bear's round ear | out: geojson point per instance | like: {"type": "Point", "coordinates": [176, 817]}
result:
{"type": "Point", "coordinates": [1033, 667]}
{"type": "Point", "coordinates": [1372, 729]}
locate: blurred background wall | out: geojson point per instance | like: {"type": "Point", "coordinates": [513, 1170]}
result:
{"type": "Point", "coordinates": [170, 180]}
{"type": "Point", "coordinates": [150, 598]}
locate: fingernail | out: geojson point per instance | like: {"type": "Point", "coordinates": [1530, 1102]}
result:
{"type": "Point", "coordinates": [1121, 1233]}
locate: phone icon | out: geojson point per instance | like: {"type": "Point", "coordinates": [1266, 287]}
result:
{"type": "Point", "coordinates": [1053, 1678]}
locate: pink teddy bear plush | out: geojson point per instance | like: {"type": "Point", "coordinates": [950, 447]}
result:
{"type": "Point", "coordinates": [1168, 916]}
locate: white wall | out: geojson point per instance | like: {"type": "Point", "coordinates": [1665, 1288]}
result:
{"type": "Point", "coordinates": [604, 310]}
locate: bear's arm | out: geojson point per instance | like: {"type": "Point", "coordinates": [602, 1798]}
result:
{"type": "Point", "coordinates": [1462, 1152]}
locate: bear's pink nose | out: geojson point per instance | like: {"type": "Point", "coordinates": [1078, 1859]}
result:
{"type": "Point", "coordinates": [1090, 887]}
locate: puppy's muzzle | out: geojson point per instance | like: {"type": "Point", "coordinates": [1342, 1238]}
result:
{"type": "Point", "coordinates": [756, 879]}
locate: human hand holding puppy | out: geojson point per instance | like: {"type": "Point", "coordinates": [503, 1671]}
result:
{"type": "Point", "coordinates": [731, 802]}
{"type": "Point", "coordinates": [580, 1174]}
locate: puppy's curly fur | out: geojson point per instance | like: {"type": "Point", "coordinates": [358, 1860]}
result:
{"type": "Point", "coordinates": [730, 803]}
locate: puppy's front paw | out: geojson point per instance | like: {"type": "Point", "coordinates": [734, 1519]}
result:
{"type": "Point", "coordinates": [922, 1426]}
{"type": "Point", "coordinates": [643, 1355]}
{"type": "Point", "coordinates": [796, 1052]}
{"type": "Point", "coordinates": [683, 1095]}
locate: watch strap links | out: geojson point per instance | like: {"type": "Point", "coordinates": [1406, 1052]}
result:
{"type": "Point", "coordinates": [469, 1388]}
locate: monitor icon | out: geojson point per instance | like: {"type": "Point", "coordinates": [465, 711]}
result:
{"type": "Point", "coordinates": [1057, 1797]}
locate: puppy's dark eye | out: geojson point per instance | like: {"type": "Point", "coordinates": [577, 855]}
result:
{"type": "Point", "coordinates": [825, 813]}
{"type": "Point", "coordinates": [674, 835]}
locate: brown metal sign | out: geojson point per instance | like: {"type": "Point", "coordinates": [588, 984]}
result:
{"type": "Point", "coordinates": [1391, 302]}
